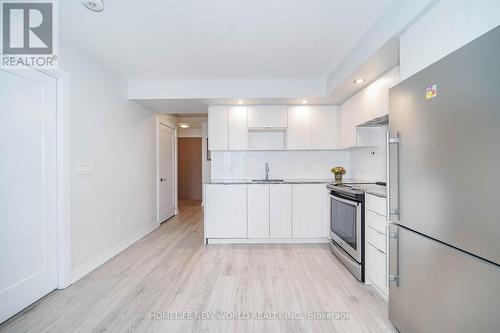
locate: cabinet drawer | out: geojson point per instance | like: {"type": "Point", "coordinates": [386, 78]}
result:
{"type": "Point", "coordinates": [376, 267]}
{"type": "Point", "coordinates": [375, 238]}
{"type": "Point", "coordinates": [376, 221]}
{"type": "Point", "coordinates": [375, 204]}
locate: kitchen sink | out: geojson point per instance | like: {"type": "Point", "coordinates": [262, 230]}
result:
{"type": "Point", "coordinates": [267, 180]}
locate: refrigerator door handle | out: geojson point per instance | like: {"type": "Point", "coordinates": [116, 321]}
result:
{"type": "Point", "coordinates": [392, 179]}
{"type": "Point", "coordinates": [393, 276]}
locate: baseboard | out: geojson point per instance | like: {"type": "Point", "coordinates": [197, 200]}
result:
{"type": "Point", "coordinates": [93, 264]}
{"type": "Point", "coordinates": [383, 293]}
{"type": "Point", "coordinates": [267, 240]}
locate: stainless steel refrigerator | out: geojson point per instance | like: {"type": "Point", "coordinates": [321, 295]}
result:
{"type": "Point", "coordinates": [444, 190]}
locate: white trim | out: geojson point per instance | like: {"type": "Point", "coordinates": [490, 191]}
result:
{"type": "Point", "coordinates": [63, 160]}
{"type": "Point", "coordinates": [380, 291]}
{"type": "Point", "coordinates": [95, 263]}
{"type": "Point", "coordinates": [319, 240]}
{"type": "Point", "coordinates": [159, 123]}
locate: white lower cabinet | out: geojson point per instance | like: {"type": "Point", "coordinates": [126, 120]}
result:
{"type": "Point", "coordinates": [376, 243]}
{"type": "Point", "coordinates": [226, 211]}
{"type": "Point", "coordinates": [310, 211]}
{"type": "Point", "coordinates": [376, 267]}
{"type": "Point", "coordinates": [266, 211]}
{"type": "Point", "coordinates": [258, 210]}
{"type": "Point", "coordinates": [280, 213]}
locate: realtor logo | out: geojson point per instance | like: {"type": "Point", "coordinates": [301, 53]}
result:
{"type": "Point", "coordinates": [28, 33]}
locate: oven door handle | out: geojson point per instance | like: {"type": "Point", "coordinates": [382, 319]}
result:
{"type": "Point", "coordinates": [349, 202]}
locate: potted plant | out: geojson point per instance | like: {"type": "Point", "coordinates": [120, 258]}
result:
{"type": "Point", "coordinates": [338, 172]}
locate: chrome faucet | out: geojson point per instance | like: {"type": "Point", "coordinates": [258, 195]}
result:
{"type": "Point", "coordinates": [267, 171]}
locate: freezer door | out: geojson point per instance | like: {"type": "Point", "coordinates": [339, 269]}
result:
{"type": "Point", "coordinates": [446, 165]}
{"type": "Point", "coordinates": [436, 288]}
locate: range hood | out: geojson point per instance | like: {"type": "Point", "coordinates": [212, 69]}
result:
{"type": "Point", "coordinates": [380, 121]}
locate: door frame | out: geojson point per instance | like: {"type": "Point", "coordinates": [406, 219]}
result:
{"type": "Point", "coordinates": [63, 173]}
{"type": "Point", "coordinates": [160, 122]}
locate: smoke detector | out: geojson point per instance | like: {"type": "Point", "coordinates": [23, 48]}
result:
{"type": "Point", "coordinates": [94, 5]}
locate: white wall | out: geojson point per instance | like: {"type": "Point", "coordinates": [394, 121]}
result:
{"type": "Point", "coordinates": [118, 138]}
{"type": "Point", "coordinates": [445, 28]}
{"type": "Point", "coordinates": [189, 132]}
{"type": "Point", "coordinates": [282, 164]}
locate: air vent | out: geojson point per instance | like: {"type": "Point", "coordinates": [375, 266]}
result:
{"type": "Point", "coordinates": [380, 121]}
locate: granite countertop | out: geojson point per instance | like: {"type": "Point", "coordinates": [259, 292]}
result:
{"type": "Point", "coordinates": [285, 181]}
{"type": "Point", "coordinates": [367, 186]}
{"type": "Point", "coordinates": [373, 189]}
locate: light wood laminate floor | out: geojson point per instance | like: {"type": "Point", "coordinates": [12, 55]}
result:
{"type": "Point", "coordinates": [170, 272]}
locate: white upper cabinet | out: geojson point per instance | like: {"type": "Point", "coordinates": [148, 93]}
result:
{"type": "Point", "coordinates": [299, 128]}
{"type": "Point", "coordinates": [267, 116]}
{"type": "Point", "coordinates": [238, 128]}
{"type": "Point", "coordinates": [348, 123]}
{"type": "Point", "coordinates": [371, 102]}
{"type": "Point", "coordinates": [275, 127]}
{"type": "Point", "coordinates": [325, 126]}
{"type": "Point", "coordinates": [218, 132]}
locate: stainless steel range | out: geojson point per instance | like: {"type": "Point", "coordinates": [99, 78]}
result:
{"type": "Point", "coordinates": [347, 224]}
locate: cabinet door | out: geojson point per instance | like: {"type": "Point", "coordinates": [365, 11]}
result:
{"type": "Point", "coordinates": [310, 211]}
{"type": "Point", "coordinates": [299, 127]}
{"type": "Point", "coordinates": [325, 127]}
{"type": "Point", "coordinates": [225, 211]}
{"type": "Point", "coordinates": [238, 128]}
{"type": "Point", "coordinates": [267, 116]}
{"type": "Point", "coordinates": [280, 214]}
{"type": "Point", "coordinates": [376, 267]}
{"type": "Point", "coordinates": [348, 123]}
{"type": "Point", "coordinates": [258, 211]}
{"type": "Point", "coordinates": [217, 128]}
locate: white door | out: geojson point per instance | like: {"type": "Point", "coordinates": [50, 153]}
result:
{"type": "Point", "coordinates": [166, 175]}
{"type": "Point", "coordinates": [28, 243]}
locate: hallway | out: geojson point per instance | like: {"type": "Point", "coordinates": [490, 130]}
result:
{"type": "Point", "coordinates": [169, 274]}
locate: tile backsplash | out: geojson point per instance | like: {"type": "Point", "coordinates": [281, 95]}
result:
{"type": "Point", "coordinates": [282, 164]}
{"type": "Point", "coordinates": [368, 164]}
{"type": "Point", "coordinates": [362, 164]}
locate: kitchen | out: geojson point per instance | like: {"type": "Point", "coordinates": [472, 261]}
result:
{"type": "Point", "coordinates": [250, 166]}
{"type": "Point", "coordinates": [270, 183]}
{"type": "Point", "coordinates": [271, 166]}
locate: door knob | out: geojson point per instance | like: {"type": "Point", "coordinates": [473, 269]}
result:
{"type": "Point", "coordinates": [162, 179]}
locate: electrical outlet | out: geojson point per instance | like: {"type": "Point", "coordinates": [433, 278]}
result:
{"type": "Point", "coordinates": [118, 221]}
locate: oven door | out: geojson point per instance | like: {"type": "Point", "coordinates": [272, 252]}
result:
{"type": "Point", "coordinates": [345, 225]}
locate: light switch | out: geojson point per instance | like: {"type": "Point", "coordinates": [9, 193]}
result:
{"type": "Point", "coordinates": [86, 168]}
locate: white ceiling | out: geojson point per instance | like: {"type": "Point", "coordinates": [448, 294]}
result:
{"type": "Point", "coordinates": [220, 39]}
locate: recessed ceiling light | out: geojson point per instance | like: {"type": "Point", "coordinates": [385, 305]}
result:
{"type": "Point", "coordinates": [359, 81]}
{"type": "Point", "coordinates": [94, 5]}
{"type": "Point", "coordinates": [184, 125]}
{"type": "Point", "coordinates": [240, 102]}
{"type": "Point", "coordinates": [304, 101]}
